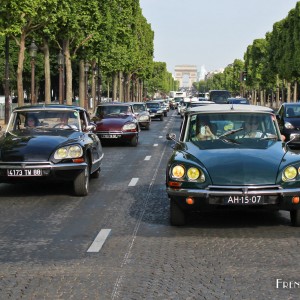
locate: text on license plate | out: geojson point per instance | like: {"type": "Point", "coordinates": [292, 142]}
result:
{"type": "Point", "coordinates": [110, 136]}
{"type": "Point", "coordinates": [249, 199]}
{"type": "Point", "coordinates": [25, 172]}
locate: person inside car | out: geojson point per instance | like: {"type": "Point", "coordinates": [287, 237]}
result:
{"type": "Point", "coordinates": [204, 130]}
{"type": "Point", "coordinates": [31, 121]}
{"type": "Point", "coordinates": [252, 129]}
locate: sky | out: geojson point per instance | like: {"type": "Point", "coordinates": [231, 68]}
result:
{"type": "Point", "coordinates": [209, 33]}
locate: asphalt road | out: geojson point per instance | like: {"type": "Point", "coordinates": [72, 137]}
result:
{"type": "Point", "coordinates": [117, 243]}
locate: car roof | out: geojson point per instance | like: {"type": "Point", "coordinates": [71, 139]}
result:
{"type": "Point", "coordinates": [49, 106]}
{"type": "Point", "coordinates": [291, 104]}
{"type": "Point", "coordinates": [223, 108]}
{"type": "Point", "coordinates": [115, 103]}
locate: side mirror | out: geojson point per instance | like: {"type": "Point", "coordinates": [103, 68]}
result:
{"type": "Point", "coordinates": [171, 136]}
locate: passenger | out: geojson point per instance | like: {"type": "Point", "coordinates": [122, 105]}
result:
{"type": "Point", "coordinates": [204, 129]}
{"type": "Point", "coordinates": [31, 121]}
{"type": "Point", "coordinates": [251, 129]}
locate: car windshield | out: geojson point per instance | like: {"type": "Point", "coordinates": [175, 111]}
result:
{"type": "Point", "coordinates": [292, 111]}
{"type": "Point", "coordinates": [139, 107]}
{"type": "Point", "coordinates": [107, 110]}
{"type": "Point", "coordinates": [153, 105]}
{"type": "Point", "coordinates": [43, 119]}
{"type": "Point", "coordinates": [235, 128]}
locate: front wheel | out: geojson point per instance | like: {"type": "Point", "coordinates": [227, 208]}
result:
{"type": "Point", "coordinates": [177, 215]}
{"type": "Point", "coordinates": [81, 183]}
{"type": "Point", "coordinates": [134, 141]}
{"type": "Point", "coordinates": [295, 218]}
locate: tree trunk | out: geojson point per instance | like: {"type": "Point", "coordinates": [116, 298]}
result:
{"type": "Point", "coordinates": [47, 72]}
{"type": "Point", "coordinates": [121, 92]}
{"type": "Point", "coordinates": [295, 91]}
{"type": "Point", "coordinates": [81, 83]}
{"type": "Point", "coordinates": [20, 70]}
{"type": "Point", "coordinates": [288, 92]}
{"type": "Point", "coordinates": [115, 86]}
{"type": "Point", "coordinates": [68, 71]}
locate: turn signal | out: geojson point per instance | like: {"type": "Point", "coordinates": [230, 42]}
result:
{"type": "Point", "coordinates": [295, 200]}
{"type": "Point", "coordinates": [189, 201]}
{"type": "Point", "coordinates": [174, 184]}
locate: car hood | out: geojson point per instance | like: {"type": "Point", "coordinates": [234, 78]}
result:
{"type": "Point", "coordinates": [240, 166]}
{"type": "Point", "coordinates": [35, 147]}
{"type": "Point", "coordinates": [114, 123]}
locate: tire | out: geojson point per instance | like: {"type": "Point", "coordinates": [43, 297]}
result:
{"type": "Point", "coordinates": [134, 141]}
{"type": "Point", "coordinates": [147, 127]}
{"type": "Point", "coordinates": [161, 117]}
{"type": "Point", "coordinates": [81, 183]}
{"type": "Point", "coordinates": [96, 174]}
{"type": "Point", "coordinates": [295, 218]}
{"type": "Point", "coordinates": [177, 216]}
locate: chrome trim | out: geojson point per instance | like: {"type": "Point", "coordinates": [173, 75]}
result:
{"type": "Point", "coordinates": [41, 165]}
{"type": "Point", "coordinates": [233, 190]}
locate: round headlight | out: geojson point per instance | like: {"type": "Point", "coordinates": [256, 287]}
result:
{"type": "Point", "coordinates": [75, 151]}
{"type": "Point", "coordinates": [61, 153]}
{"type": "Point", "coordinates": [289, 173]}
{"type": "Point", "coordinates": [178, 171]}
{"type": "Point", "coordinates": [193, 173]}
{"type": "Point", "coordinates": [288, 125]}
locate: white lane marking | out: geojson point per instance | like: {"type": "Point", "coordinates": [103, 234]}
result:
{"type": "Point", "coordinates": [133, 182]}
{"type": "Point", "coordinates": [148, 157]}
{"type": "Point", "coordinates": [160, 137]}
{"type": "Point", "coordinates": [99, 240]}
{"type": "Point", "coordinates": [155, 145]}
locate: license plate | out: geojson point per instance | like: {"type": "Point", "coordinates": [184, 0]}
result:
{"type": "Point", "coordinates": [110, 136]}
{"type": "Point", "coordinates": [24, 172]}
{"type": "Point", "coordinates": [152, 115]}
{"type": "Point", "coordinates": [244, 200]}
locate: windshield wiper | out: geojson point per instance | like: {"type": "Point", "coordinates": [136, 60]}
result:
{"type": "Point", "coordinates": [230, 132]}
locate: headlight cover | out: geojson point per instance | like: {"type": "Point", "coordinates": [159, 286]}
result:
{"type": "Point", "coordinates": [288, 125]}
{"type": "Point", "coordinates": [178, 171]}
{"type": "Point", "coordinates": [73, 151]}
{"type": "Point", "coordinates": [129, 127]}
{"type": "Point", "coordinates": [289, 173]}
{"type": "Point", "coordinates": [143, 118]}
{"type": "Point", "coordinates": [192, 173]}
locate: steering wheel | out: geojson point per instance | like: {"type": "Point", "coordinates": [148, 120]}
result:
{"type": "Point", "coordinates": [62, 124]}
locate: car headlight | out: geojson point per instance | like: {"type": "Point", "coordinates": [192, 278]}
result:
{"type": "Point", "coordinates": [73, 151]}
{"type": "Point", "coordinates": [129, 126]}
{"type": "Point", "coordinates": [288, 125]}
{"type": "Point", "coordinates": [289, 173]}
{"type": "Point", "coordinates": [178, 171]}
{"type": "Point", "coordinates": [143, 118]}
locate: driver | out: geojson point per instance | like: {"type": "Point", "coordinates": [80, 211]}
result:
{"type": "Point", "coordinates": [63, 123]}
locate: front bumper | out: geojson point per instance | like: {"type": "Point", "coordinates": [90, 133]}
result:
{"type": "Point", "coordinates": [274, 196]}
{"type": "Point", "coordinates": [23, 171]}
{"type": "Point", "coordinates": [116, 135]}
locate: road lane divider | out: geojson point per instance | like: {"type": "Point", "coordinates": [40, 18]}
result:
{"type": "Point", "coordinates": [148, 157]}
{"type": "Point", "coordinates": [133, 182]}
{"type": "Point", "coordinates": [99, 240]}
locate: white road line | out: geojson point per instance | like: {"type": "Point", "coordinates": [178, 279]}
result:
{"type": "Point", "coordinates": [155, 145]}
{"type": "Point", "coordinates": [160, 137]}
{"type": "Point", "coordinates": [133, 182]}
{"type": "Point", "coordinates": [99, 240]}
{"type": "Point", "coordinates": [148, 157]}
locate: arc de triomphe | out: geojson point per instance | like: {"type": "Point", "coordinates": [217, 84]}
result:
{"type": "Point", "coordinates": [182, 72]}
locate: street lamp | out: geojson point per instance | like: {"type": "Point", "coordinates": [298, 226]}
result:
{"type": "Point", "coordinates": [60, 61]}
{"type": "Point", "coordinates": [86, 70]}
{"type": "Point", "coordinates": [32, 52]}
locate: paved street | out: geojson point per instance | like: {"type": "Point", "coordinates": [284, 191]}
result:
{"type": "Point", "coordinates": [117, 243]}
